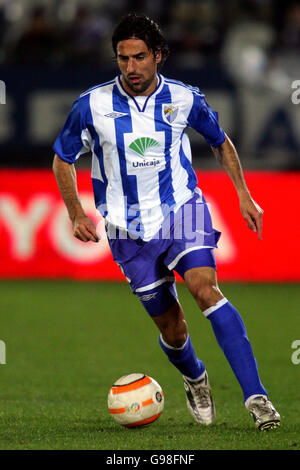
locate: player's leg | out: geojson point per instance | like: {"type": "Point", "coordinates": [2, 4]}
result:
{"type": "Point", "coordinates": [231, 335]}
{"type": "Point", "coordinates": [162, 304]}
{"type": "Point", "coordinates": [228, 327]}
{"type": "Point", "coordinates": [192, 256]}
{"type": "Point", "coordinates": [176, 343]}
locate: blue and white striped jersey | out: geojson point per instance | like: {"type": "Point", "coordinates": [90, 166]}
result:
{"type": "Point", "coordinates": [141, 155]}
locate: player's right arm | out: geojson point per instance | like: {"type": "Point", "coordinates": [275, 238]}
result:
{"type": "Point", "coordinates": [65, 174]}
{"type": "Point", "coordinates": [205, 121]}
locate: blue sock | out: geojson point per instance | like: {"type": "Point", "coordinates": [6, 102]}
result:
{"type": "Point", "coordinates": [232, 337]}
{"type": "Point", "coordinates": [184, 358]}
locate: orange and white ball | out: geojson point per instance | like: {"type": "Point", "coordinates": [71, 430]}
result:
{"type": "Point", "coordinates": [135, 400]}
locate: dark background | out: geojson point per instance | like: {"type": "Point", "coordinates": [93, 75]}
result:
{"type": "Point", "coordinates": [244, 55]}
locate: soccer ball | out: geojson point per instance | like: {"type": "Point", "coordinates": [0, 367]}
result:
{"type": "Point", "coordinates": [135, 400]}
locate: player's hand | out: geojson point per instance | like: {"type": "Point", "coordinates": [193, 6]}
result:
{"type": "Point", "coordinates": [84, 229]}
{"type": "Point", "coordinates": [252, 213]}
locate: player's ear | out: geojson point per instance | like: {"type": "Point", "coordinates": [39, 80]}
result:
{"type": "Point", "coordinates": [158, 56]}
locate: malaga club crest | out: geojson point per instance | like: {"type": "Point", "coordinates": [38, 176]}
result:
{"type": "Point", "coordinates": [170, 113]}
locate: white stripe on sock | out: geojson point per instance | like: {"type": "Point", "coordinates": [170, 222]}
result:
{"type": "Point", "coordinates": [172, 347]}
{"type": "Point", "coordinates": [198, 378]}
{"type": "Point", "coordinates": [219, 304]}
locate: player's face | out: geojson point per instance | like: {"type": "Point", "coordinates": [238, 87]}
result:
{"type": "Point", "coordinates": [138, 66]}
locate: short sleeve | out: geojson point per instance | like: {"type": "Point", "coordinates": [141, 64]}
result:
{"type": "Point", "coordinates": [205, 121]}
{"type": "Point", "coordinates": [74, 138]}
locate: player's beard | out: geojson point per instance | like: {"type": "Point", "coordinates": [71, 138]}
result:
{"type": "Point", "coordinates": [141, 87]}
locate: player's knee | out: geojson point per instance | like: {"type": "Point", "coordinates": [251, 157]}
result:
{"type": "Point", "coordinates": [206, 295]}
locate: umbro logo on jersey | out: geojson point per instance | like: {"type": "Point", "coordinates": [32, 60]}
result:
{"type": "Point", "coordinates": [115, 115]}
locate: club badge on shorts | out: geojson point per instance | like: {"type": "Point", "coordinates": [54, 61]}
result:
{"type": "Point", "coordinates": [170, 113]}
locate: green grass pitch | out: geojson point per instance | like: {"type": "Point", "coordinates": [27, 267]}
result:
{"type": "Point", "coordinates": [67, 342]}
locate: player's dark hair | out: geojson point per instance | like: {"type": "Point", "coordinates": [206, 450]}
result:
{"type": "Point", "coordinates": [141, 27]}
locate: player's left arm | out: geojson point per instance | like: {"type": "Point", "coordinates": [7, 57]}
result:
{"type": "Point", "coordinates": [227, 156]}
